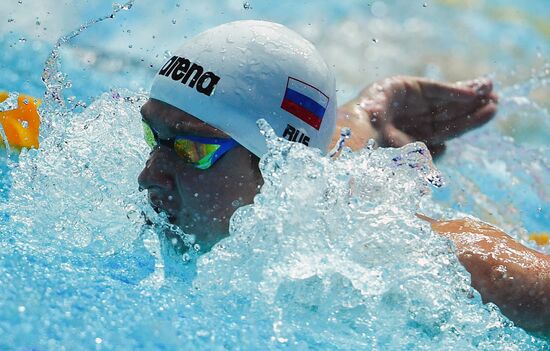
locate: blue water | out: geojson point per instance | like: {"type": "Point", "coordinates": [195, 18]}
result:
{"type": "Point", "coordinates": [335, 260]}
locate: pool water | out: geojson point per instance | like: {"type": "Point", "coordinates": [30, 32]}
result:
{"type": "Point", "coordinates": [332, 260]}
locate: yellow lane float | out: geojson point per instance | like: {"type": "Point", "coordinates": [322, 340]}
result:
{"type": "Point", "coordinates": [20, 126]}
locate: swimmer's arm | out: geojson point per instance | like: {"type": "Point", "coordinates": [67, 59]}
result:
{"type": "Point", "coordinates": [512, 276]}
{"type": "Point", "coordinates": [352, 115]}
{"type": "Point", "coordinates": [400, 110]}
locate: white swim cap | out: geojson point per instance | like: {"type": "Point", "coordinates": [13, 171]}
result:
{"type": "Point", "coordinates": [235, 74]}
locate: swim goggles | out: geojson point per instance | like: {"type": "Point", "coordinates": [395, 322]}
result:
{"type": "Point", "coordinates": [201, 152]}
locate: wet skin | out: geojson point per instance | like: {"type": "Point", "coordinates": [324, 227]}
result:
{"type": "Point", "coordinates": [399, 110]}
{"type": "Point", "coordinates": [200, 202]}
{"type": "Point", "coordinates": [504, 272]}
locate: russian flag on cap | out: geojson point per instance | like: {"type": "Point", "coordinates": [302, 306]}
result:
{"type": "Point", "coordinates": [305, 102]}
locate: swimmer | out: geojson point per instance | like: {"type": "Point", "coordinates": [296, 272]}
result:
{"type": "Point", "coordinates": [200, 122]}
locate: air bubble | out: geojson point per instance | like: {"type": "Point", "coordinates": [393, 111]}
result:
{"type": "Point", "coordinates": [173, 21]}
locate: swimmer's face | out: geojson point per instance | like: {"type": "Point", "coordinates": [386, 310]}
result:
{"type": "Point", "coordinates": [200, 202]}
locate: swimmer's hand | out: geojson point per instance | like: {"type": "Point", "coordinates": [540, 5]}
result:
{"type": "Point", "coordinates": [512, 276]}
{"type": "Point", "coordinates": [400, 110]}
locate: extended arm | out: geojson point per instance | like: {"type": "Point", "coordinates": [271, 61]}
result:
{"type": "Point", "coordinates": [400, 110]}
{"type": "Point", "coordinates": [512, 276]}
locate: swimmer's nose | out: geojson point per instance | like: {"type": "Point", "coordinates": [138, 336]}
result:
{"type": "Point", "coordinates": [157, 172]}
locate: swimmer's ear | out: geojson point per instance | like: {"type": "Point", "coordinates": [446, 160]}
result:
{"type": "Point", "coordinates": [426, 218]}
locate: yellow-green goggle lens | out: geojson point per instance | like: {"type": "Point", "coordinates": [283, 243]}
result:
{"type": "Point", "coordinates": [193, 151]}
{"type": "Point", "coordinates": [148, 135]}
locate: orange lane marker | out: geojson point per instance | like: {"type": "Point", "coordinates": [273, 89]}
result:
{"type": "Point", "coordinates": [21, 125]}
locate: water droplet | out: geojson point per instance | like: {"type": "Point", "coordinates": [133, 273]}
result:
{"type": "Point", "coordinates": [236, 203]}
{"type": "Point", "coordinates": [128, 5]}
{"type": "Point", "coordinates": [178, 4]}
{"type": "Point", "coordinates": [130, 46]}
{"type": "Point", "coordinates": [196, 247]}
{"type": "Point", "coordinates": [425, 4]}
{"type": "Point", "coordinates": [21, 309]}
{"type": "Point", "coordinates": [26, 101]}
{"type": "Point", "coordinates": [25, 124]}
{"type": "Point", "coordinates": [185, 257]}
{"type": "Point", "coordinates": [22, 40]}
{"type": "Point", "coordinates": [10, 20]}
{"type": "Point", "coordinates": [371, 144]}
{"type": "Point", "coordinates": [167, 54]}
{"type": "Point", "coordinates": [20, 1]}
{"type": "Point", "coordinates": [173, 21]}
{"type": "Point", "coordinates": [196, 195]}
{"type": "Point", "coordinates": [247, 6]}
{"type": "Point", "coordinates": [374, 40]}
{"type": "Point", "coordinates": [98, 340]}
{"type": "Point", "coordinates": [170, 198]}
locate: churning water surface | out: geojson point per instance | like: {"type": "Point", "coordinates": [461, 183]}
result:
{"type": "Point", "coordinates": [330, 256]}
